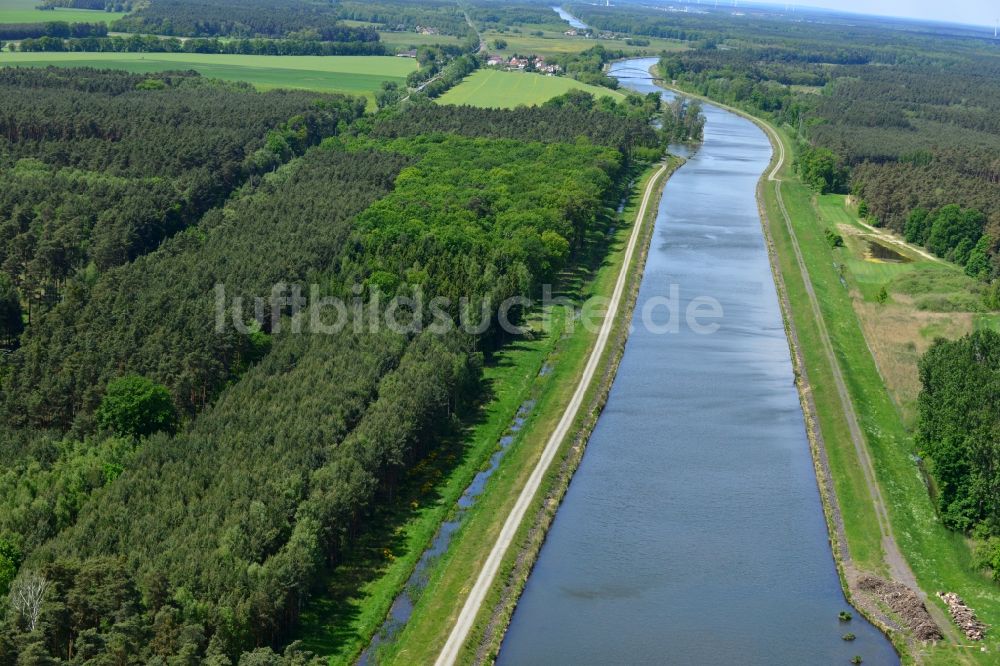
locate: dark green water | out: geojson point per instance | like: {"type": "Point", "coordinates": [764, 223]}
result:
{"type": "Point", "coordinates": [693, 532]}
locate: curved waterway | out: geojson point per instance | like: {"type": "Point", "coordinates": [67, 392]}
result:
{"type": "Point", "coordinates": [693, 531]}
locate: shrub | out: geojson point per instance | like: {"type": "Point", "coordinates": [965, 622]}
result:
{"type": "Point", "coordinates": [833, 238]}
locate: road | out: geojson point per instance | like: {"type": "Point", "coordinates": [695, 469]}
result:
{"type": "Point", "coordinates": [481, 587]}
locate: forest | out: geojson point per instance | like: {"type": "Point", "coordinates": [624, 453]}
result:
{"type": "Point", "coordinates": [503, 15]}
{"type": "Point", "coordinates": [304, 19]}
{"type": "Point", "coordinates": [444, 16]}
{"type": "Point", "coordinates": [56, 29]}
{"type": "Point", "coordinates": [175, 490]}
{"type": "Point", "coordinates": [154, 44]}
{"type": "Point", "coordinates": [98, 167]}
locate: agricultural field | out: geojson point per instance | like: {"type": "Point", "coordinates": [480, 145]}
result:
{"type": "Point", "coordinates": [24, 11]}
{"type": "Point", "coordinates": [498, 89]}
{"type": "Point", "coordinates": [355, 75]}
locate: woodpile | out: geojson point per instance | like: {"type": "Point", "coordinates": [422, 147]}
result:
{"type": "Point", "coordinates": [963, 616]}
{"type": "Point", "coordinates": [904, 603]}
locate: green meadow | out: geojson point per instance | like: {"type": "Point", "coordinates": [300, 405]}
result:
{"type": "Point", "coordinates": [499, 89]}
{"type": "Point", "coordinates": [23, 11]}
{"type": "Point", "coordinates": [355, 75]}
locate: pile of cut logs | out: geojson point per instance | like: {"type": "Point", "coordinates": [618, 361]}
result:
{"type": "Point", "coordinates": [964, 616]}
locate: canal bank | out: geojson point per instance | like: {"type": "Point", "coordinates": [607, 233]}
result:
{"type": "Point", "coordinates": [693, 530]}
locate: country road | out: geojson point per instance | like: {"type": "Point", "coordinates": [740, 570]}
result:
{"type": "Point", "coordinates": [467, 617]}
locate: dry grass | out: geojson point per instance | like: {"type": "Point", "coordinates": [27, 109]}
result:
{"type": "Point", "coordinates": [898, 335]}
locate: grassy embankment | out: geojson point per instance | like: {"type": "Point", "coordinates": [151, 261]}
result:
{"type": "Point", "coordinates": [24, 11]}
{"type": "Point", "coordinates": [454, 574]}
{"type": "Point", "coordinates": [494, 88]}
{"type": "Point", "coordinates": [939, 558]}
{"type": "Point", "coordinates": [354, 75]}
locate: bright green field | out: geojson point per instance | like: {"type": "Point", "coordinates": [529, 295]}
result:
{"type": "Point", "coordinates": [506, 90]}
{"type": "Point", "coordinates": [23, 11]}
{"type": "Point", "coordinates": [356, 75]}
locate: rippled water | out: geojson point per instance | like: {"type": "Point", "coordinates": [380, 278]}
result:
{"type": "Point", "coordinates": [693, 531]}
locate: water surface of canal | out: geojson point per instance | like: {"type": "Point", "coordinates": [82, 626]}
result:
{"type": "Point", "coordinates": [693, 532]}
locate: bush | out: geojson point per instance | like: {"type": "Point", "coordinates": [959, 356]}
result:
{"type": "Point", "coordinates": [845, 616]}
{"type": "Point", "coordinates": [833, 238]}
{"type": "Point", "coordinates": [987, 556]}
{"type": "Point", "coordinates": [134, 406]}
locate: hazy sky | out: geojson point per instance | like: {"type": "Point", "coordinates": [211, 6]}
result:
{"type": "Point", "coordinates": [977, 12]}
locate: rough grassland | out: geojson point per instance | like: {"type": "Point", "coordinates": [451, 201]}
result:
{"type": "Point", "coordinates": [23, 11]}
{"type": "Point", "coordinates": [355, 75]}
{"type": "Point", "coordinates": [498, 89]}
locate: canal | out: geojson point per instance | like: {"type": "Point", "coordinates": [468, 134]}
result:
{"type": "Point", "coordinates": [693, 531]}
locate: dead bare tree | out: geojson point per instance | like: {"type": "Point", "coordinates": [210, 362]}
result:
{"type": "Point", "coordinates": [26, 597]}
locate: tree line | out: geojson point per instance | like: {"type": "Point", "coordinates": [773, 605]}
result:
{"type": "Point", "coordinates": [243, 18]}
{"type": "Point", "coordinates": [154, 44]}
{"type": "Point", "coordinates": [56, 29]}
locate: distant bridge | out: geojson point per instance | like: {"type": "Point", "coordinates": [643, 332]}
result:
{"type": "Point", "coordinates": [636, 73]}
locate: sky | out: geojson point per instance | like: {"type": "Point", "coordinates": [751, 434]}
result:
{"type": "Point", "coordinates": [974, 12]}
